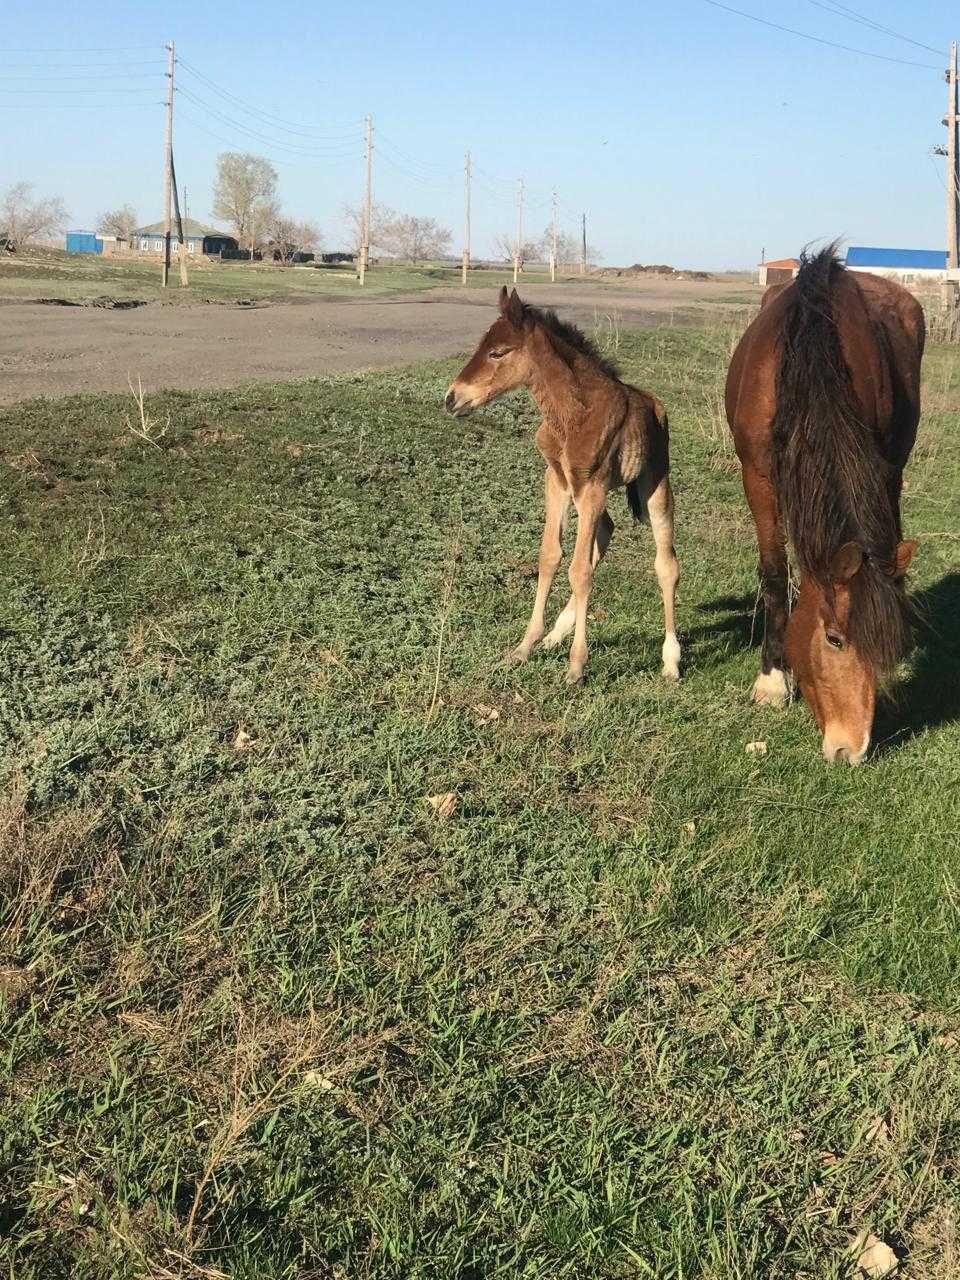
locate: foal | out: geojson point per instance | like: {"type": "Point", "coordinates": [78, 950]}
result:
{"type": "Point", "coordinates": [597, 434]}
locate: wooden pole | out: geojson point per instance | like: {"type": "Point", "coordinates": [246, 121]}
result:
{"type": "Point", "coordinates": [466, 223]}
{"type": "Point", "coordinates": [951, 287]}
{"type": "Point", "coordinates": [553, 241]}
{"type": "Point", "coordinates": [516, 256]}
{"type": "Point", "coordinates": [181, 247]}
{"type": "Point", "coordinates": [167, 169]}
{"type": "Point", "coordinates": [367, 206]}
{"type": "Point", "coordinates": [583, 244]}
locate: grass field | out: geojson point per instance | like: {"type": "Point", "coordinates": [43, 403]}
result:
{"type": "Point", "coordinates": [640, 1005]}
{"type": "Point", "coordinates": [78, 277]}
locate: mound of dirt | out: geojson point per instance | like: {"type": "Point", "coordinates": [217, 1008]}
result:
{"type": "Point", "coordinates": [106, 304]}
{"type": "Point", "coordinates": [654, 269]}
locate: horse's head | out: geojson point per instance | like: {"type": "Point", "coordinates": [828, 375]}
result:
{"type": "Point", "coordinates": [836, 669]}
{"type": "Point", "coordinates": [500, 363]}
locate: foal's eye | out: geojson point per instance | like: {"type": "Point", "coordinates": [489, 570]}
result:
{"type": "Point", "coordinates": [499, 352]}
{"type": "Point", "coordinates": [834, 641]}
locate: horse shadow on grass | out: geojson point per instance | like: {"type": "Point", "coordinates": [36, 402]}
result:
{"type": "Point", "coordinates": [930, 696]}
{"type": "Point", "coordinates": [738, 626]}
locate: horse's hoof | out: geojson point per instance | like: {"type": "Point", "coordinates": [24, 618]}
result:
{"type": "Point", "coordinates": [551, 641]}
{"type": "Point", "coordinates": [671, 673]}
{"type": "Point", "coordinates": [770, 689]}
{"type": "Point", "coordinates": [513, 657]}
{"type": "Point", "coordinates": [574, 676]}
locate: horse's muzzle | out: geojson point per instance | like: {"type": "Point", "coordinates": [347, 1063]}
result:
{"type": "Point", "coordinates": [455, 406]}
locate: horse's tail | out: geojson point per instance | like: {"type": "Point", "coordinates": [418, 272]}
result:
{"type": "Point", "coordinates": [832, 481]}
{"type": "Point", "coordinates": [635, 500]}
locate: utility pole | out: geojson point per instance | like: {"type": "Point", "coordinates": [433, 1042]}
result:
{"type": "Point", "coordinates": [466, 222]}
{"type": "Point", "coordinates": [950, 120]}
{"type": "Point", "coordinates": [181, 247]}
{"type": "Point", "coordinates": [553, 241]}
{"type": "Point", "coordinates": [951, 287]}
{"type": "Point", "coordinates": [516, 256]}
{"type": "Point", "coordinates": [367, 206]}
{"type": "Point", "coordinates": [583, 244]}
{"type": "Point", "coordinates": [168, 169]}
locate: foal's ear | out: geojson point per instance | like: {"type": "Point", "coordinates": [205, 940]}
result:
{"type": "Point", "coordinates": [846, 562]}
{"type": "Point", "coordinates": [514, 310]}
{"type": "Point", "coordinates": [504, 300]}
{"type": "Point", "coordinates": [902, 557]}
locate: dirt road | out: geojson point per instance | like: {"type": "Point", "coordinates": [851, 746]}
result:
{"type": "Point", "coordinates": [52, 350]}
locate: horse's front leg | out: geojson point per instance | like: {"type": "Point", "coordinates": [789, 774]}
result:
{"type": "Point", "coordinates": [770, 685]}
{"type": "Point", "coordinates": [556, 505]}
{"type": "Point", "coordinates": [590, 503]}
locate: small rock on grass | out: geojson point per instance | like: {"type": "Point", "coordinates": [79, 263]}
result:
{"type": "Point", "coordinates": [756, 748]}
{"type": "Point", "coordinates": [444, 806]}
{"type": "Point", "coordinates": [874, 1256]}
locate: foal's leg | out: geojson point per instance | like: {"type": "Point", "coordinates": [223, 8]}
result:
{"type": "Point", "coordinates": [667, 568]}
{"type": "Point", "coordinates": [556, 504]}
{"type": "Point", "coordinates": [568, 615]}
{"type": "Point", "coordinates": [590, 503]}
{"type": "Point", "coordinates": [770, 686]}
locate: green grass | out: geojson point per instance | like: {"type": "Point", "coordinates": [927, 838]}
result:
{"type": "Point", "coordinates": [643, 1006]}
{"type": "Point", "coordinates": [81, 277]}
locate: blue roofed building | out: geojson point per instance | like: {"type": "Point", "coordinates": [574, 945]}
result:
{"type": "Point", "coordinates": [909, 266]}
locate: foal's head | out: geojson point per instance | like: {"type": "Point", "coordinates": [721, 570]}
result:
{"type": "Point", "coordinates": [841, 637]}
{"type": "Point", "coordinates": [500, 363]}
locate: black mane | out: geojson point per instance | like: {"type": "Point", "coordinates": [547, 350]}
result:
{"type": "Point", "coordinates": [832, 480]}
{"type": "Point", "coordinates": [573, 337]}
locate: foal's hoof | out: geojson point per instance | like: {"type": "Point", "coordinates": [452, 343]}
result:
{"type": "Point", "coordinates": [770, 689]}
{"type": "Point", "coordinates": [513, 657]}
{"type": "Point", "coordinates": [670, 656]}
{"type": "Point", "coordinates": [574, 676]}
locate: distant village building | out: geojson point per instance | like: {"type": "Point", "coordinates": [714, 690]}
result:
{"type": "Point", "coordinates": [197, 238]}
{"type": "Point", "coordinates": [909, 266]}
{"type": "Point", "coordinates": [779, 271]}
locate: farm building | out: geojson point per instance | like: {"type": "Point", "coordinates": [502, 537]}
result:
{"type": "Point", "coordinates": [84, 242]}
{"type": "Point", "coordinates": [909, 266]}
{"type": "Point", "coordinates": [778, 272]}
{"type": "Point", "coordinates": [196, 238]}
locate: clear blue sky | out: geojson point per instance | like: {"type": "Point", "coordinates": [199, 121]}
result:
{"type": "Point", "coordinates": [689, 135]}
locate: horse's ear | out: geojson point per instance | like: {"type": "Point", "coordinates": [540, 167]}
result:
{"type": "Point", "coordinates": [514, 310]}
{"type": "Point", "coordinates": [846, 562]}
{"type": "Point", "coordinates": [902, 557]}
{"type": "Point", "coordinates": [504, 301]}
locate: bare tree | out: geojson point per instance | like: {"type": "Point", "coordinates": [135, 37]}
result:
{"type": "Point", "coordinates": [415, 238]}
{"type": "Point", "coordinates": [505, 246]}
{"type": "Point", "coordinates": [568, 248]}
{"type": "Point", "coordinates": [290, 237]}
{"type": "Point", "coordinates": [245, 194]}
{"type": "Point", "coordinates": [120, 222]}
{"type": "Point", "coordinates": [380, 220]}
{"type": "Point", "coordinates": [24, 219]}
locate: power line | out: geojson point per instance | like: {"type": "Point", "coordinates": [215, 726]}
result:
{"type": "Point", "coordinates": [69, 66]}
{"type": "Point", "coordinates": [149, 89]}
{"type": "Point", "coordinates": [123, 75]}
{"type": "Point", "coordinates": [842, 11]}
{"type": "Point", "coordinates": [128, 48]}
{"type": "Point", "coordinates": [882, 57]}
{"type": "Point", "coordinates": [276, 122]}
{"type": "Point", "coordinates": [232, 142]}
{"type": "Point", "coordinates": [313, 153]}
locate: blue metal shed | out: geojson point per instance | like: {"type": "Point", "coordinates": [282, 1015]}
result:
{"type": "Point", "coordinates": [84, 242]}
{"type": "Point", "coordinates": [902, 259]}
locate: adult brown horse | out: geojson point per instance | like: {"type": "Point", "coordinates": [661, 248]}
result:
{"type": "Point", "coordinates": [597, 434]}
{"type": "Point", "coordinates": [823, 398]}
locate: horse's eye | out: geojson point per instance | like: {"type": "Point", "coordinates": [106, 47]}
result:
{"type": "Point", "coordinates": [499, 352]}
{"type": "Point", "coordinates": [834, 641]}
